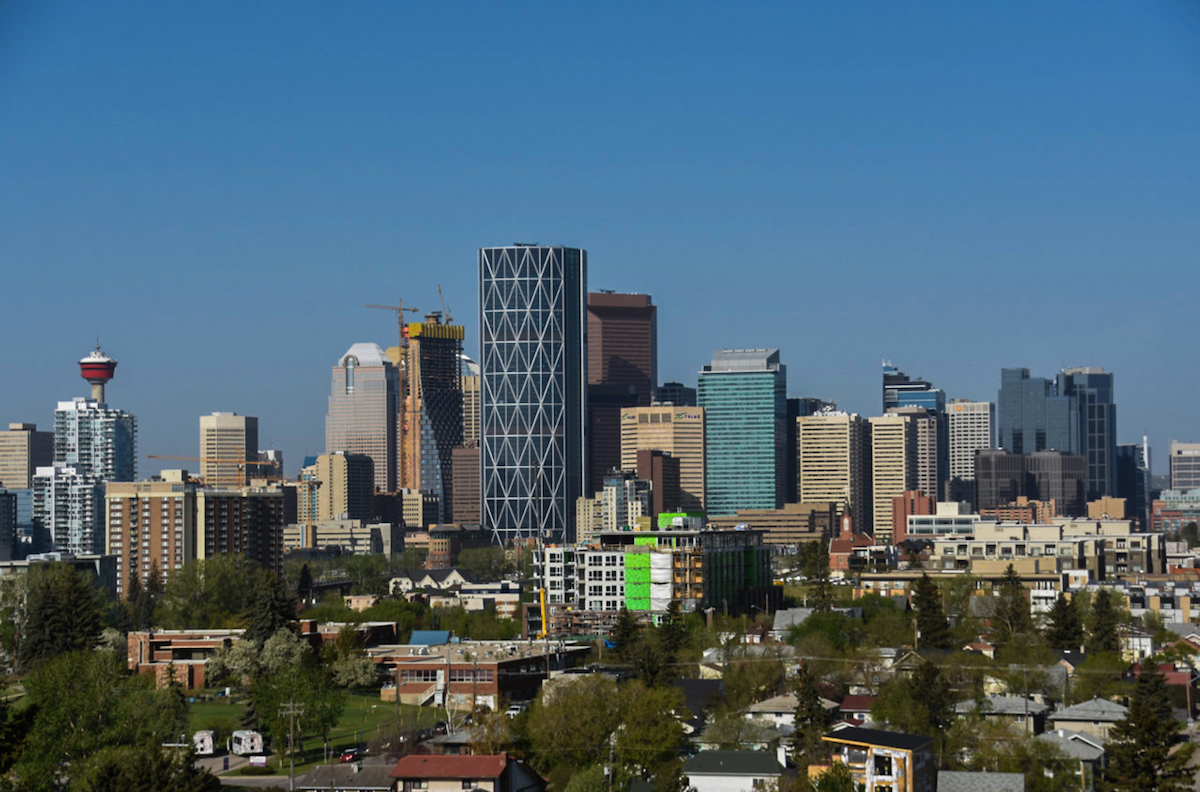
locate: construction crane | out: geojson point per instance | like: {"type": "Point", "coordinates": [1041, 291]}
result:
{"type": "Point", "coordinates": [400, 311]}
{"type": "Point", "coordinates": [217, 461]}
{"type": "Point", "coordinates": [445, 308]}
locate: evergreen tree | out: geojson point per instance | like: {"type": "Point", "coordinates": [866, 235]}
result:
{"type": "Point", "coordinates": [1102, 625]}
{"type": "Point", "coordinates": [674, 631]}
{"type": "Point", "coordinates": [1064, 629]}
{"type": "Point", "coordinates": [1011, 616]}
{"type": "Point", "coordinates": [932, 624]}
{"type": "Point", "coordinates": [811, 721]}
{"type": "Point", "coordinates": [1140, 746]}
{"type": "Point", "coordinates": [625, 633]}
{"type": "Point", "coordinates": [62, 614]}
{"type": "Point", "coordinates": [147, 598]}
{"type": "Point", "coordinates": [272, 607]}
{"type": "Point", "coordinates": [304, 584]}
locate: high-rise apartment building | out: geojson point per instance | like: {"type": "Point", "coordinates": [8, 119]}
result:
{"type": "Point", "coordinates": [1034, 416]}
{"type": "Point", "coordinates": [675, 393]}
{"type": "Point", "coordinates": [622, 348]}
{"type": "Point", "coordinates": [744, 396]}
{"type": "Point", "coordinates": [1092, 390]}
{"type": "Point", "coordinates": [248, 521]}
{"type": "Point", "coordinates": [93, 437]}
{"type": "Point", "coordinates": [970, 429]}
{"type": "Point", "coordinates": [1185, 465]}
{"type": "Point", "coordinates": [364, 410]}
{"type": "Point", "coordinates": [927, 428]}
{"type": "Point", "coordinates": [433, 407]}
{"type": "Point", "coordinates": [893, 468]}
{"type": "Point", "coordinates": [227, 441]}
{"type": "Point", "coordinates": [533, 401]}
{"type": "Point", "coordinates": [470, 392]}
{"type": "Point", "coordinates": [23, 449]}
{"type": "Point", "coordinates": [676, 430]}
{"type": "Point", "coordinates": [68, 510]}
{"type": "Point", "coordinates": [151, 526]}
{"type": "Point", "coordinates": [834, 461]}
{"type": "Point", "coordinates": [347, 486]}
{"type": "Point", "coordinates": [464, 507]}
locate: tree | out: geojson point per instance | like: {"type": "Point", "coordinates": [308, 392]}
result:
{"type": "Point", "coordinates": [1140, 746]}
{"type": "Point", "coordinates": [674, 629]}
{"type": "Point", "coordinates": [573, 722]}
{"type": "Point", "coordinates": [210, 593]}
{"type": "Point", "coordinates": [1064, 628]}
{"type": "Point", "coordinates": [816, 569]}
{"type": "Point", "coordinates": [836, 779]}
{"type": "Point", "coordinates": [1011, 616]}
{"type": "Point", "coordinates": [651, 733]}
{"type": "Point", "coordinates": [625, 633]}
{"type": "Point", "coordinates": [932, 625]}
{"type": "Point", "coordinates": [1190, 533]}
{"type": "Point", "coordinates": [918, 703]}
{"type": "Point", "coordinates": [1102, 624]}
{"type": "Point", "coordinates": [144, 769]}
{"type": "Point", "coordinates": [811, 722]}
{"type": "Point", "coordinates": [304, 584]}
{"type": "Point", "coordinates": [270, 608]}
{"type": "Point", "coordinates": [649, 657]}
{"type": "Point", "coordinates": [488, 563]}
{"type": "Point", "coordinates": [62, 614]}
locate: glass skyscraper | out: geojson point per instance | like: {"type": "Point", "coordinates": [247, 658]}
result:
{"type": "Point", "coordinates": [1092, 390]}
{"type": "Point", "coordinates": [744, 395]}
{"type": "Point", "coordinates": [364, 410]}
{"type": "Point", "coordinates": [1034, 416]}
{"type": "Point", "coordinates": [533, 394]}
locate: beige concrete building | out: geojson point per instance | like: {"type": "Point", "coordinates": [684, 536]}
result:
{"type": "Point", "coordinates": [925, 448]}
{"type": "Point", "coordinates": [419, 509]}
{"type": "Point", "coordinates": [678, 431]}
{"type": "Point", "coordinates": [226, 441]}
{"type": "Point", "coordinates": [832, 460]}
{"type": "Point", "coordinates": [364, 411]}
{"type": "Point", "coordinates": [893, 468]}
{"type": "Point", "coordinates": [792, 524]}
{"type": "Point", "coordinates": [470, 393]}
{"type": "Point", "coordinates": [589, 518]}
{"type": "Point", "coordinates": [1106, 508]}
{"type": "Point", "coordinates": [970, 430]}
{"type": "Point", "coordinates": [151, 524]}
{"type": "Point", "coordinates": [347, 486]}
{"type": "Point", "coordinates": [23, 449]}
{"type": "Point", "coordinates": [354, 537]}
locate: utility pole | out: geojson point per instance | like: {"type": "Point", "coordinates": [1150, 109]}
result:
{"type": "Point", "coordinates": [291, 710]}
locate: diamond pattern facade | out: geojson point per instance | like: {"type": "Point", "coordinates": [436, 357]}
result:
{"type": "Point", "coordinates": [533, 396]}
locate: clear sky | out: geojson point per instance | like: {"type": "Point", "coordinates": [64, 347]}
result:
{"type": "Point", "coordinates": [956, 187]}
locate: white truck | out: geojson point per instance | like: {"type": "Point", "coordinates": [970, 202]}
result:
{"type": "Point", "coordinates": [245, 743]}
{"type": "Point", "coordinates": [203, 742]}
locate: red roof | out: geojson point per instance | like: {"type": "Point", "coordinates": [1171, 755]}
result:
{"type": "Point", "coordinates": [857, 703]}
{"type": "Point", "coordinates": [438, 767]}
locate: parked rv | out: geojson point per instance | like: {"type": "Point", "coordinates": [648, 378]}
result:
{"type": "Point", "coordinates": [203, 742]}
{"type": "Point", "coordinates": [245, 743]}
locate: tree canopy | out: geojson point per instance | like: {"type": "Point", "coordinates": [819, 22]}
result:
{"type": "Point", "coordinates": [62, 613]}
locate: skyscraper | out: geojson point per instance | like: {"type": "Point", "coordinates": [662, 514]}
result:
{"type": "Point", "coordinates": [151, 525]}
{"type": "Point", "coordinates": [1034, 416]}
{"type": "Point", "coordinates": [97, 439]}
{"type": "Point", "coordinates": [364, 410]}
{"type": "Point", "coordinates": [470, 391]}
{"type": "Point", "coordinates": [23, 449]}
{"type": "Point", "coordinates": [834, 461]}
{"type": "Point", "coordinates": [1092, 390]}
{"type": "Point", "coordinates": [676, 430]}
{"type": "Point", "coordinates": [900, 390]}
{"type": "Point", "coordinates": [225, 438]}
{"type": "Point", "coordinates": [433, 408]}
{"type": "Point", "coordinates": [68, 510]}
{"type": "Point", "coordinates": [1185, 465]}
{"type": "Point", "coordinates": [533, 399]}
{"type": "Point", "coordinates": [622, 347]}
{"type": "Point", "coordinates": [970, 428]}
{"type": "Point", "coordinates": [744, 396]}
{"type": "Point", "coordinates": [347, 489]}
{"type": "Point", "coordinates": [893, 468]}
{"type": "Point", "coordinates": [1133, 479]}
{"type": "Point", "coordinates": [675, 393]}
{"type": "Point", "coordinates": [928, 428]}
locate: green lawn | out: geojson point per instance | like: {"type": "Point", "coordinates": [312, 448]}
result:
{"type": "Point", "coordinates": [364, 716]}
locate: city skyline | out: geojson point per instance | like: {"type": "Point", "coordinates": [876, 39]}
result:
{"type": "Point", "coordinates": [988, 165]}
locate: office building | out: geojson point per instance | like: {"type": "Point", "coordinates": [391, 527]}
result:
{"type": "Point", "coordinates": [674, 430]}
{"type": "Point", "coordinates": [674, 393]}
{"type": "Point", "coordinates": [834, 461]}
{"type": "Point", "coordinates": [1022, 510]}
{"type": "Point", "coordinates": [227, 442]}
{"type": "Point", "coordinates": [970, 428]}
{"type": "Point", "coordinates": [469, 379]}
{"type": "Point", "coordinates": [432, 407]}
{"type": "Point", "coordinates": [1185, 465]}
{"type": "Point", "coordinates": [151, 526]}
{"type": "Point", "coordinates": [743, 393]}
{"type": "Point", "coordinates": [1133, 479]}
{"type": "Point", "coordinates": [908, 504]}
{"type": "Point", "coordinates": [68, 510]}
{"type": "Point", "coordinates": [1092, 390]}
{"type": "Point", "coordinates": [999, 478]}
{"type": "Point", "coordinates": [23, 449]}
{"type": "Point", "coordinates": [1174, 509]}
{"type": "Point", "coordinates": [464, 503]}
{"type": "Point", "coordinates": [893, 468]}
{"type": "Point", "coordinates": [1002, 478]}
{"type": "Point", "coordinates": [809, 405]}
{"type": "Point", "coordinates": [605, 404]}
{"type": "Point", "coordinates": [625, 499]}
{"type": "Point", "coordinates": [8, 526]}
{"type": "Point", "coordinates": [662, 471]}
{"type": "Point", "coordinates": [900, 390]}
{"type": "Point", "coordinates": [589, 518]}
{"type": "Point", "coordinates": [96, 439]}
{"type": "Point", "coordinates": [1034, 416]}
{"type": "Point", "coordinates": [928, 428]}
{"type": "Point", "coordinates": [419, 509]}
{"type": "Point", "coordinates": [364, 411]}
{"type": "Point", "coordinates": [534, 396]}
{"type": "Point", "coordinates": [347, 486]}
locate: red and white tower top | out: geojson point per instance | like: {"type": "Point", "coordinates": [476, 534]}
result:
{"type": "Point", "coordinates": [97, 368]}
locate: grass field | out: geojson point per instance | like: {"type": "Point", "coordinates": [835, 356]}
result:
{"type": "Point", "coordinates": [364, 719]}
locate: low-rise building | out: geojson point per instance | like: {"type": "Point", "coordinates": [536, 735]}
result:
{"type": "Point", "coordinates": [350, 537]}
{"type": "Point", "coordinates": [448, 773]}
{"type": "Point", "coordinates": [884, 761]}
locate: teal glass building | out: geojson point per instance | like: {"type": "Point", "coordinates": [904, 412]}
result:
{"type": "Point", "coordinates": [744, 395]}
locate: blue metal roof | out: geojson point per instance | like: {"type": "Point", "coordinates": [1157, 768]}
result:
{"type": "Point", "coordinates": [429, 637]}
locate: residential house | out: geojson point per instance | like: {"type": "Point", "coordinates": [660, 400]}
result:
{"type": "Point", "coordinates": [884, 761]}
{"type": "Point", "coordinates": [731, 771]}
{"type": "Point", "coordinates": [486, 773]}
{"type": "Point", "coordinates": [1022, 713]}
{"type": "Point", "coordinates": [350, 777]}
{"type": "Point", "coordinates": [1086, 749]}
{"type": "Point", "coordinates": [1095, 717]}
{"type": "Point", "coordinates": [780, 710]}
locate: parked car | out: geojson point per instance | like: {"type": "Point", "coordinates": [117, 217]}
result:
{"type": "Point", "coordinates": [515, 709]}
{"type": "Point", "coordinates": [350, 755]}
{"type": "Point", "coordinates": [441, 727]}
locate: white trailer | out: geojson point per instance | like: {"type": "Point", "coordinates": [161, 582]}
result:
{"type": "Point", "coordinates": [245, 743]}
{"type": "Point", "coordinates": [203, 742]}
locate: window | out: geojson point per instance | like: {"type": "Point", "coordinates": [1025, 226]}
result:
{"type": "Point", "coordinates": [883, 766]}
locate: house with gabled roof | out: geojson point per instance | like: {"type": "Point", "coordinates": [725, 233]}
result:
{"type": "Point", "coordinates": [1020, 712]}
{"type": "Point", "coordinates": [486, 773]}
{"type": "Point", "coordinates": [1086, 749]}
{"type": "Point", "coordinates": [1095, 717]}
{"type": "Point", "coordinates": [721, 771]}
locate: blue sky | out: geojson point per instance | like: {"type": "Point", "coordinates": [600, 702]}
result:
{"type": "Point", "coordinates": [952, 186]}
